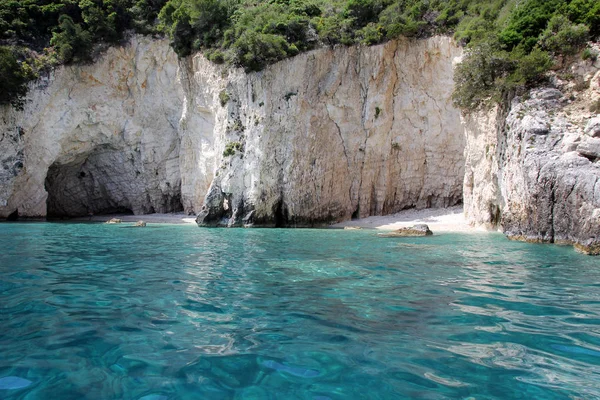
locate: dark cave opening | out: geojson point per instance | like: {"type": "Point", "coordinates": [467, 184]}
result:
{"type": "Point", "coordinates": [281, 214]}
{"type": "Point", "coordinates": [13, 216]}
{"type": "Point", "coordinates": [107, 181]}
{"type": "Point", "coordinates": [356, 213]}
{"type": "Point", "coordinates": [75, 192]}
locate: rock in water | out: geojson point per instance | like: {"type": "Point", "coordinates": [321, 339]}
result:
{"type": "Point", "coordinates": [140, 223]}
{"type": "Point", "coordinates": [13, 382]}
{"type": "Point", "coordinates": [114, 221]}
{"type": "Point", "coordinates": [352, 228]}
{"type": "Point", "coordinates": [416, 230]}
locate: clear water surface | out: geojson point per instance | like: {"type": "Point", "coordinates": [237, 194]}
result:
{"type": "Point", "coordinates": [91, 311]}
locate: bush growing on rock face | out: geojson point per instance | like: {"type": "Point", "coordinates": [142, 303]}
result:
{"type": "Point", "coordinates": [223, 98]}
{"type": "Point", "coordinates": [532, 37]}
{"type": "Point", "coordinates": [478, 78]}
{"type": "Point", "coordinates": [561, 36]}
{"type": "Point", "coordinates": [71, 42]}
{"type": "Point", "coordinates": [14, 76]}
{"type": "Point", "coordinates": [231, 148]}
{"type": "Point", "coordinates": [53, 31]}
{"type": "Point", "coordinates": [589, 54]}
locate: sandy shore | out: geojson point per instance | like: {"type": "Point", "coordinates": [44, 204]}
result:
{"type": "Point", "coordinates": [450, 219]}
{"type": "Point", "coordinates": [148, 218]}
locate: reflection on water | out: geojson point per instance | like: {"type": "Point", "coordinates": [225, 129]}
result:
{"type": "Point", "coordinates": [177, 312]}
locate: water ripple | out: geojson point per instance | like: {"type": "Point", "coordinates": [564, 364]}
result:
{"type": "Point", "coordinates": [97, 311]}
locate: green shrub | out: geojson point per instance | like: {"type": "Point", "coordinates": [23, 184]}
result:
{"type": "Point", "coordinates": [71, 41]}
{"type": "Point", "coordinates": [223, 98]}
{"type": "Point", "coordinates": [524, 34]}
{"type": "Point", "coordinates": [362, 12]}
{"type": "Point", "coordinates": [254, 51]}
{"type": "Point", "coordinates": [14, 76]}
{"type": "Point", "coordinates": [530, 68]}
{"type": "Point", "coordinates": [335, 29]}
{"type": "Point", "coordinates": [563, 37]}
{"type": "Point", "coordinates": [231, 148]}
{"type": "Point", "coordinates": [589, 54]}
{"type": "Point", "coordinates": [481, 75]}
{"type": "Point", "coordinates": [397, 22]}
{"type": "Point", "coordinates": [526, 21]}
{"type": "Point", "coordinates": [216, 56]}
{"type": "Point", "coordinates": [585, 12]}
{"type": "Point", "coordinates": [371, 34]}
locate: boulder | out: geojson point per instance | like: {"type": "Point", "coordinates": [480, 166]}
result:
{"type": "Point", "coordinates": [114, 221]}
{"type": "Point", "coordinates": [140, 223]}
{"type": "Point", "coordinates": [352, 228]}
{"type": "Point", "coordinates": [535, 125]}
{"type": "Point", "coordinates": [416, 230]}
{"type": "Point", "coordinates": [548, 94]}
{"type": "Point", "coordinates": [593, 127]}
{"type": "Point", "coordinates": [589, 148]}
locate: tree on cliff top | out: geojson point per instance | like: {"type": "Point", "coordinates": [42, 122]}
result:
{"type": "Point", "coordinates": [14, 76]}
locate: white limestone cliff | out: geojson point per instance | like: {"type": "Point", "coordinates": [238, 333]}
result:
{"type": "Point", "coordinates": [325, 136]}
{"type": "Point", "coordinates": [99, 138]}
{"type": "Point", "coordinates": [331, 134]}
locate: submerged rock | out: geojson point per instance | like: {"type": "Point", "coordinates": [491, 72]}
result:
{"type": "Point", "coordinates": [416, 230]}
{"type": "Point", "coordinates": [114, 221]}
{"type": "Point", "coordinates": [588, 249]}
{"type": "Point", "coordinates": [13, 382]}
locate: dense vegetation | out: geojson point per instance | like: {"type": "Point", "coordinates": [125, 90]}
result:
{"type": "Point", "coordinates": [511, 43]}
{"type": "Point", "coordinates": [36, 35]}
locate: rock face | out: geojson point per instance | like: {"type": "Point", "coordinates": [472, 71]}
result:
{"type": "Point", "coordinates": [319, 138]}
{"type": "Point", "coordinates": [96, 139]}
{"type": "Point", "coordinates": [534, 170]}
{"type": "Point", "coordinates": [335, 134]}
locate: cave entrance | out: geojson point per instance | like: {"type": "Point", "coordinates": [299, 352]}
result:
{"type": "Point", "coordinates": [74, 190]}
{"type": "Point", "coordinates": [107, 181]}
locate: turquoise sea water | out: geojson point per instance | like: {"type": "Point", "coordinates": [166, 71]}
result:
{"type": "Point", "coordinates": [91, 311]}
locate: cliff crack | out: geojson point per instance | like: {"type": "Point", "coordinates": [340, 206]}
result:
{"type": "Point", "coordinates": [339, 131]}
